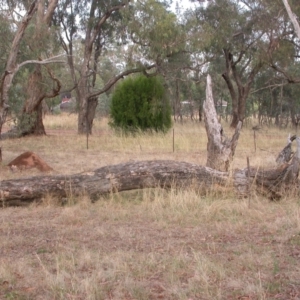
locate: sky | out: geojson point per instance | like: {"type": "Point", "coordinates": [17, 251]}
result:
{"type": "Point", "coordinates": [184, 4]}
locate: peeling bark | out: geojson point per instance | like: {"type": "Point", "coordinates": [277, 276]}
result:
{"type": "Point", "coordinates": [220, 150]}
{"type": "Point", "coordinates": [12, 67]}
{"type": "Point", "coordinates": [273, 183]}
{"type": "Point", "coordinates": [116, 178]}
{"type": "Point", "coordinates": [36, 91]}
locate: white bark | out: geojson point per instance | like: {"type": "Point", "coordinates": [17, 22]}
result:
{"type": "Point", "coordinates": [292, 17]}
{"type": "Point", "coordinates": [220, 150]}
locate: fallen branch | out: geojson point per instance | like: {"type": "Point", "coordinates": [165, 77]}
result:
{"type": "Point", "coordinates": [116, 178]}
{"type": "Point", "coordinates": [273, 183]}
{"type": "Point", "coordinates": [276, 182]}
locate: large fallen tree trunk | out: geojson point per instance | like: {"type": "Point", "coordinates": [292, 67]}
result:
{"type": "Point", "coordinates": [121, 177]}
{"type": "Point", "coordinates": [273, 183]}
{"type": "Point", "coordinates": [149, 174]}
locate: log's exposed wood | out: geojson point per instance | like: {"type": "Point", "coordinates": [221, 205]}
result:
{"type": "Point", "coordinates": [220, 149]}
{"type": "Point", "coordinates": [285, 154]}
{"type": "Point", "coordinates": [273, 183]}
{"type": "Point", "coordinates": [148, 174]}
{"type": "Point", "coordinates": [121, 177]}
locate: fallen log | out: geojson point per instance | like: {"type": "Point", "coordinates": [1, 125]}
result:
{"type": "Point", "coordinates": [286, 153]}
{"type": "Point", "coordinates": [275, 182]}
{"type": "Point", "coordinates": [272, 183]}
{"type": "Point", "coordinates": [116, 178]}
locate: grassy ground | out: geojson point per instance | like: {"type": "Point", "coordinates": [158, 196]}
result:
{"type": "Point", "coordinates": [149, 244]}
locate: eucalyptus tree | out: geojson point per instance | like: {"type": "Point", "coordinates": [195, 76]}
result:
{"type": "Point", "coordinates": [277, 98]}
{"type": "Point", "coordinates": [245, 34]}
{"type": "Point", "coordinates": [286, 66]}
{"type": "Point", "coordinates": [12, 64]}
{"type": "Point", "coordinates": [101, 26]}
{"type": "Point", "coordinates": [168, 40]}
{"type": "Point", "coordinates": [19, 54]}
{"type": "Point", "coordinates": [42, 82]}
{"type": "Point", "coordinates": [292, 17]}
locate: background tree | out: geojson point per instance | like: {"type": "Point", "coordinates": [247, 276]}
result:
{"type": "Point", "coordinates": [11, 63]}
{"type": "Point", "coordinates": [246, 35]}
{"type": "Point", "coordinates": [287, 71]}
{"type": "Point", "coordinates": [18, 57]}
{"type": "Point", "coordinates": [160, 36]}
{"type": "Point", "coordinates": [292, 17]}
{"type": "Point", "coordinates": [42, 82]}
{"type": "Point", "coordinates": [102, 26]}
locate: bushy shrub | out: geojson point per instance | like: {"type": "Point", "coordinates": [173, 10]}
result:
{"type": "Point", "coordinates": [140, 103]}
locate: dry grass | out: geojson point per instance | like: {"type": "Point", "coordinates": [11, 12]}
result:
{"type": "Point", "coordinates": [148, 244]}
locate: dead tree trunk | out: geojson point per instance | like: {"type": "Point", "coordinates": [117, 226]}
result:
{"type": "Point", "coordinates": [121, 177]}
{"type": "Point", "coordinates": [220, 150]}
{"type": "Point", "coordinates": [274, 183]}
{"type": "Point", "coordinates": [149, 174]}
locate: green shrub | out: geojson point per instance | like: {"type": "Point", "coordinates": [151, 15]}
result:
{"type": "Point", "coordinates": [140, 103]}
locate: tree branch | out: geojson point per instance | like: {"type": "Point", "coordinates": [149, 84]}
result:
{"type": "Point", "coordinates": [103, 20]}
{"type": "Point", "coordinates": [115, 79]}
{"type": "Point", "coordinates": [42, 62]}
{"type": "Point", "coordinates": [292, 17]}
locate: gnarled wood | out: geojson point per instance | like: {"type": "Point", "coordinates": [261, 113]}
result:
{"type": "Point", "coordinates": [121, 177]}
{"type": "Point", "coordinates": [286, 153]}
{"type": "Point", "coordinates": [220, 149]}
{"type": "Point", "coordinates": [147, 174]}
{"type": "Point", "coordinates": [273, 183]}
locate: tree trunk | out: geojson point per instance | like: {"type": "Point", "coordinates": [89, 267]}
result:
{"type": "Point", "coordinates": [92, 105]}
{"type": "Point", "coordinates": [117, 178]}
{"type": "Point", "coordinates": [240, 93]}
{"type": "Point", "coordinates": [235, 119]}
{"type": "Point", "coordinates": [273, 183]}
{"type": "Point", "coordinates": [11, 64]}
{"type": "Point", "coordinates": [292, 17]}
{"type": "Point", "coordinates": [86, 115]}
{"type": "Point", "coordinates": [31, 121]}
{"type": "Point", "coordinates": [220, 150]}
{"type": "Point", "coordinates": [83, 124]}
{"type": "Point", "coordinates": [36, 92]}
{"type": "Point", "coordinates": [82, 89]}
{"type": "Point", "coordinates": [36, 125]}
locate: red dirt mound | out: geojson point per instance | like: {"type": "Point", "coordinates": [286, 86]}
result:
{"type": "Point", "coordinates": [28, 160]}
